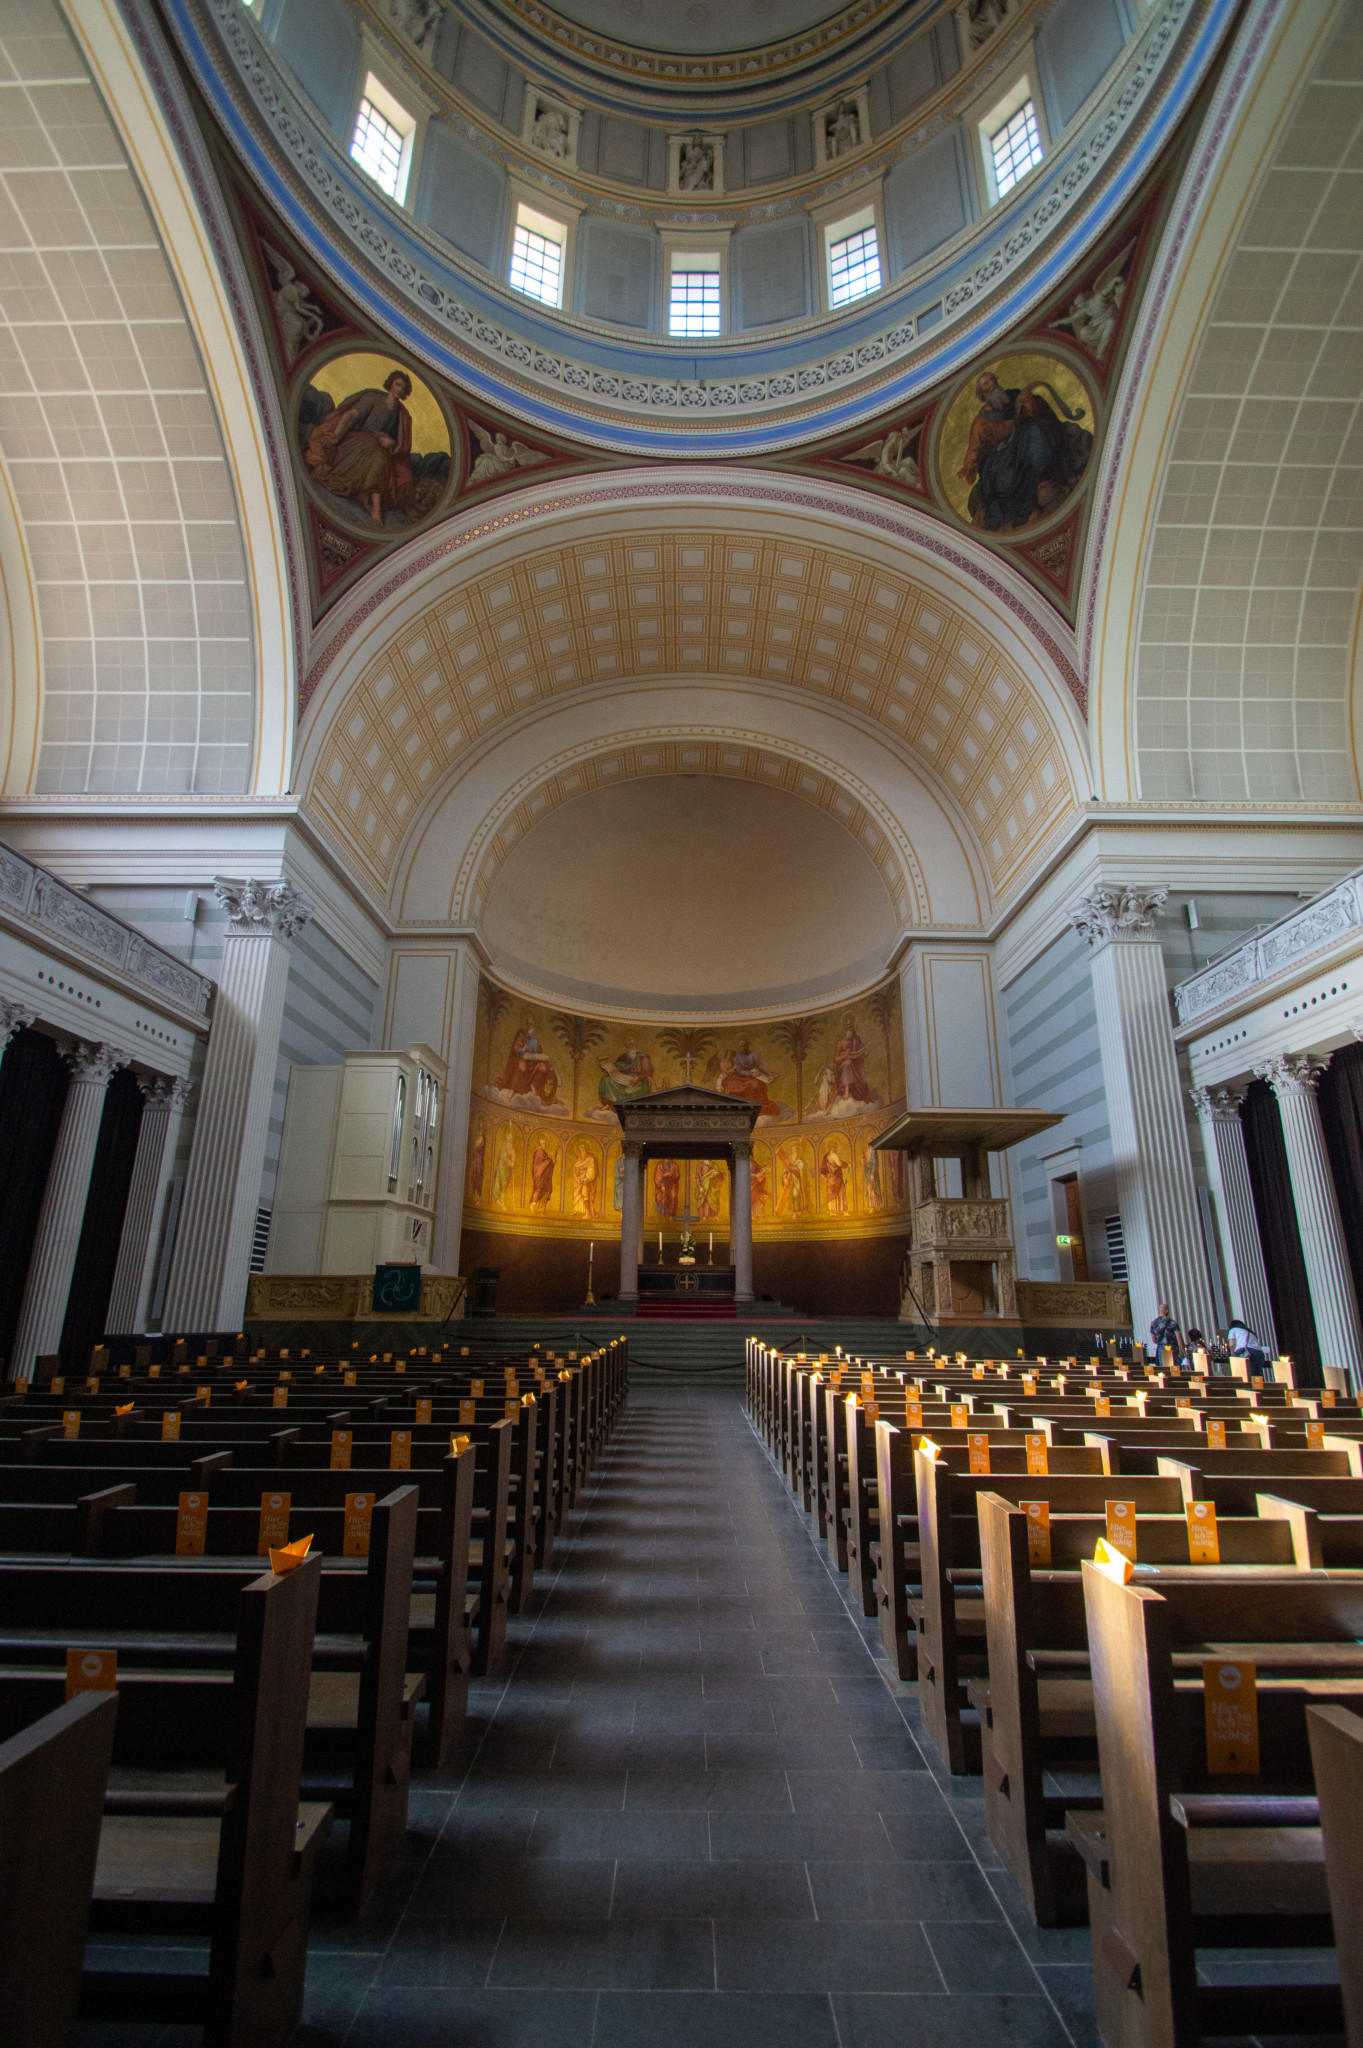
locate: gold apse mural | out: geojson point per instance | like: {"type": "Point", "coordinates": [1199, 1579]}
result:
{"type": "Point", "coordinates": [544, 1141]}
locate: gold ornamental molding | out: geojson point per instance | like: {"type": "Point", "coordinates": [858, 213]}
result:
{"type": "Point", "coordinates": [732, 67]}
{"type": "Point", "coordinates": [343, 1298]}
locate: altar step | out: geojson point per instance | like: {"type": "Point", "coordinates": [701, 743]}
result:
{"type": "Point", "coordinates": [675, 1311]}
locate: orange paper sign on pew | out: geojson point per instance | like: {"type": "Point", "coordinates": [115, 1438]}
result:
{"type": "Point", "coordinates": [424, 1409]}
{"type": "Point", "coordinates": [341, 1441]}
{"type": "Point", "coordinates": [153, 1372]}
{"type": "Point", "coordinates": [510, 1406]}
{"type": "Point", "coordinates": [1038, 1513]}
{"type": "Point", "coordinates": [350, 1377]}
{"type": "Point", "coordinates": [977, 1447]}
{"type": "Point", "coordinates": [92, 1384]}
{"type": "Point", "coordinates": [204, 1394]}
{"type": "Point", "coordinates": [125, 1372]}
{"type": "Point", "coordinates": [977, 1372]}
{"type": "Point", "coordinates": [400, 1451]}
{"type": "Point", "coordinates": [960, 1415]}
{"type": "Point", "coordinates": [191, 1525]}
{"type": "Point", "coordinates": [1315, 1436]}
{"type": "Point", "coordinates": [476, 1389]}
{"type": "Point", "coordinates": [1102, 1405]}
{"type": "Point", "coordinates": [359, 1511]}
{"type": "Point", "coordinates": [468, 1411]}
{"type": "Point", "coordinates": [1204, 1545]}
{"type": "Point", "coordinates": [871, 1410]}
{"type": "Point", "coordinates": [1216, 1433]}
{"type": "Point", "coordinates": [1232, 1705]}
{"type": "Point", "coordinates": [1038, 1452]}
{"type": "Point", "coordinates": [70, 1423]}
{"type": "Point", "coordinates": [1327, 1399]}
{"type": "Point", "coordinates": [57, 1383]}
{"type": "Point", "coordinates": [274, 1523]}
{"type": "Point", "coordinates": [170, 1426]}
{"type": "Point", "coordinates": [1121, 1527]}
{"type": "Point", "coordinates": [91, 1671]}
{"type": "Point", "coordinates": [280, 1397]}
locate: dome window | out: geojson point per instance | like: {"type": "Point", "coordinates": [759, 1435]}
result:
{"type": "Point", "coordinates": [694, 307]}
{"type": "Point", "coordinates": [382, 140]}
{"type": "Point", "coordinates": [1015, 147]}
{"type": "Point", "coordinates": [537, 264]}
{"type": "Point", "coordinates": [853, 258]}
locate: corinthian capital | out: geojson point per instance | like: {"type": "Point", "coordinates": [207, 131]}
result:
{"type": "Point", "coordinates": [1293, 1073]}
{"type": "Point", "coordinates": [275, 908]}
{"type": "Point", "coordinates": [13, 1017]}
{"type": "Point", "coordinates": [94, 1066]}
{"type": "Point", "coordinates": [1217, 1105]}
{"type": "Point", "coordinates": [165, 1091]}
{"type": "Point", "coordinates": [1124, 913]}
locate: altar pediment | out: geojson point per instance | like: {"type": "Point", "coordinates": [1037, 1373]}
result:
{"type": "Point", "coordinates": [688, 1116]}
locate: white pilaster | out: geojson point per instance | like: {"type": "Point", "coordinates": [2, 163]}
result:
{"type": "Point", "coordinates": [631, 1220]}
{"type": "Point", "coordinates": [1293, 1078]}
{"type": "Point", "coordinates": [222, 1189]}
{"type": "Point", "coordinates": [63, 1210]}
{"type": "Point", "coordinates": [1154, 1176]}
{"type": "Point", "coordinates": [1223, 1148]}
{"type": "Point", "coordinates": [740, 1227]}
{"type": "Point", "coordinates": [454, 1145]}
{"type": "Point", "coordinates": [164, 1102]}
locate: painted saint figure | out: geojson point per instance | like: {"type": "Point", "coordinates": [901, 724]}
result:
{"type": "Point", "coordinates": [504, 1169]}
{"type": "Point", "coordinates": [625, 1078]}
{"type": "Point", "coordinates": [361, 449]}
{"type": "Point", "coordinates": [666, 1186]}
{"type": "Point", "coordinates": [584, 1182]}
{"type": "Point", "coordinates": [709, 1189]}
{"type": "Point", "coordinates": [833, 1172]}
{"type": "Point", "coordinates": [1023, 457]}
{"type": "Point", "coordinates": [541, 1177]}
{"type": "Point", "coordinates": [849, 1064]}
{"type": "Point", "coordinates": [478, 1163]}
{"type": "Point", "coordinates": [529, 1069]}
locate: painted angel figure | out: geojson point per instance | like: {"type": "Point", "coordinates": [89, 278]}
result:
{"type": "Point", "coordinates": [889, 456]}
{"type": "Point", "coordinates": [300, 318]}
{"type": "Point", "coordinates": [1092, 317]}
{"type": "Point", "coordinates": [500, 456]}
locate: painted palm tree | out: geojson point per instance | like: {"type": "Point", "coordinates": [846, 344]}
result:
{"type": "Point", "coordinates": [578, 1036]}
{"type": "Point", "coordinates": [688, 1045]}
{"type": "Point", "coordinates": [883, 1006]}
{"type": "Point", "coordinates": [494, 1003]}
{"type": "Point", "coordinates": [798, 1036]}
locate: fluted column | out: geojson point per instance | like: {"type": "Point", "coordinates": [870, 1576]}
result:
{"type": "Point", "coordinates": [64, 1198]}
{"type": "Point", "coordinates": [222, 1188]}
{"type": "Point", "coordinates": [740, 1222]}
{"type": "Point", "coordinates": [631, 1220]}
{"type": "Point", "coordinates": [13, 1019]}
{"type": "Point", "coordinates": [1223, 1148]}
{"type": "Point", "coordinates": [454, 1113]}
{"type": "Point", "coordinates": [1293, 1077]}
{"type": "Point", "coordinates": [163, 1107]}
{"type": "Point", "coordinates": [1155, 1191]}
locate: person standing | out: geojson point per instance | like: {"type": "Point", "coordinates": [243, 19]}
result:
{"type": "Point", "coordinates": [1165, 1330]}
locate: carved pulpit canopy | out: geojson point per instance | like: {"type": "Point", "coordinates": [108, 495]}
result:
{"type": "Point", "coordinates": [688, 1122]}
{"type": "Point", "coordinates": [953, 1133]}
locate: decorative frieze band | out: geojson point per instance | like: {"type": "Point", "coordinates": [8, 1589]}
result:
{"type": "Point", "coordinates": [38, 896]}
{"type": "Point", "coordinates": [1317, 924]}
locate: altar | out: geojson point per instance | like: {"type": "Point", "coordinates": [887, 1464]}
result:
{"type": "Point", "coordinates": [686, 1123]}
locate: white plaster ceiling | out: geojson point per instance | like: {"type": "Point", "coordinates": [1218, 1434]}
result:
{"type": "Point", "coordinates": [1246, 664]}
{"type": "Point", "coordinates": [113, 454]}
{"type": "Point", "coordinates": [638, 607]}
{"type": "Point", "coordinates": [689, 887]}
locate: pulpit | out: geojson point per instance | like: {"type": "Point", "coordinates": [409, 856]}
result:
{"type": "Point", "coordinates": [960, 1266]}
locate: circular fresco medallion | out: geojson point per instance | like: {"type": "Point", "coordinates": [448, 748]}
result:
{"type": "Point", "coordinates": [374, 443]}
{"type": "Point", "coordinates": [1016, 443]}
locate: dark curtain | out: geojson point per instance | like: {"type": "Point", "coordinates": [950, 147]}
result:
{"type": "Point", "coordinates": [1341, 1113]}
{"type": "Point", "coordinates": [92, 1281]}
{"type": "Point", "coordinates": [33, 1083]}
{"type": "Point", "coordinates": [1278, 1234]}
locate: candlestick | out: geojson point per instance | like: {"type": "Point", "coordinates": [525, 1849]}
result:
{"type": "Point", "coordinates": [660, 1247]}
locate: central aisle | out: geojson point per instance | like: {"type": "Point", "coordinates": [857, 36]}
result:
{"type": "Point", "coordinates": [694, 1813]}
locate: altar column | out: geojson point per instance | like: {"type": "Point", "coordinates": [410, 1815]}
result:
{"type": "Point", "coordinates": [631, 1220]}
{"type": "Point", "coordinates": [740, 1222]}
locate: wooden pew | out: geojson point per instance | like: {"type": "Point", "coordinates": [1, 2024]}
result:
{"type": "Point", "coordinates": [1036, 1703]}
{"type": "Point", "coordinates": [1336, 1736]}
{"type": "Point", "coordinates": [1182, 1858]}
{"type": "Point", "coordinates": [230, 1857]}
{"type": "Point", "coordinates": [949, 1613]}
{"type": "Point", "coordinates": [52, 1782]}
